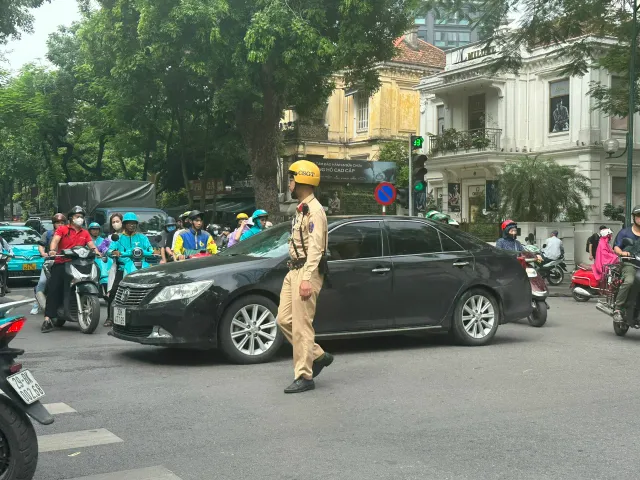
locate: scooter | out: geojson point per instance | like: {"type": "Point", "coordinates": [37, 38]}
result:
{"type": "Point", "coordinates": [551, 270]}
{"type": "Point", "coordinates": [20, 400]}
{"type": "Point", "coordinates": [584, 285]}
{"type": "Point", "coordinates": [539, 292]}
{"type": "Point", "coordinates": [82, 300]}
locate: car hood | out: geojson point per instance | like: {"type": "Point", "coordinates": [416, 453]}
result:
{"type": "Point", "coordinates": [29, 251]}
{"type": "Point", "coordinates": [195, 269]}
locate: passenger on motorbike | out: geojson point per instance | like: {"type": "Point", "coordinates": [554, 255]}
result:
{"type": "Point", "coordinates": [115, 227]}
{"type": "Point", "coordinates": [65, 237]}
{"type": "Point", "coordinates": [43, 247]}
{"type": "Point", "coordinates": [259, 218]}
{"type": "Point", "coordinates": [122, 248]}
{"type": "Point", "coordinates": [194, 239]}
{"type": "Point", "coordinates": [241, 228]}
{"type": "Point", "coordinates": [167, 240]}
{"type": "Point", "coordinates": [628, 270]}
{"type": "Point", "coordinates": [103, 264]}
{"type": "Point", "coordinates": [186, 225]}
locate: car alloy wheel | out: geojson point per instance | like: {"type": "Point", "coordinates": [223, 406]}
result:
{"type": "Point", "coordinates": [478, 316]}
{"type": "Point", "coordinates": [253, 329]}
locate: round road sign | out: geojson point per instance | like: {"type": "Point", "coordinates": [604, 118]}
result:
{"type": "Point", "coordinates": [385, 193]}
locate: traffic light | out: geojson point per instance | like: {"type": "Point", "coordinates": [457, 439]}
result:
{"type": "Point", "coordinates": [402, 197]}
{"type": "Point", "coordinates": [418, 171]}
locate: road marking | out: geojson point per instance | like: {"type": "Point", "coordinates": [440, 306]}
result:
{"type": "Point", "coordinates": [151, 473]}
{"type": "Point", "coordinates": [79, 439]}
{"type": "Point", "coordinates": [58, 408]}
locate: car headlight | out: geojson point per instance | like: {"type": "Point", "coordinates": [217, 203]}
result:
{"type": "Point", "coordinates": [181, 292]}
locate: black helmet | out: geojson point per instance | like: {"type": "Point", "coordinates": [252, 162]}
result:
{"type": "Point", "coordinates": [193, 214]}
{"type": "Point", "coordinates": [635, 210]}
{"type": "Point", "coordinates": [75, 210]}
{"type": "Point", "coordinates": [170, 221]}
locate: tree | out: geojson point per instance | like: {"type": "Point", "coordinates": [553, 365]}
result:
{"type": "Point", "coordinates": [397, 151]}
{"type": "Point", "coordinates": [570, 25]}
{"type": "Point", "coordinates": [535, 189]}
{"type": "Point", "coordinates": [15, 17]}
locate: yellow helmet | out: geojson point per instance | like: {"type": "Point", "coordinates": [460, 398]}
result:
{"type": "Point", "coordinates": [306, 172]}
{"type": "Point", "coordinates": [242, 216]}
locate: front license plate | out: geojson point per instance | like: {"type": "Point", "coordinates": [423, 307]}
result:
{"type": "Point", "coordinates": [26, 386]}
{"type": "Point", "coordinates": [120, 316]}
{"type": "Point", "coordinates": [28, 266]}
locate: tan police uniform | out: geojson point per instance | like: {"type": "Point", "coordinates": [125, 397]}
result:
{"type": "Point", "coordinates": [295, 316]}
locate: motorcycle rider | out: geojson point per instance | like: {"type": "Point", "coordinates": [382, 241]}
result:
{"type": "Point", "coordinates": [241, 227]}
{"type": "Point", "coordinates": [553, 248]}
{"type": "Point", "coordinates": [194, 239]}
{"type": "Point", "coordinates": [65, 237]}
{"type": "Point", "coordinates": [167, 240]}
{"type": "Point", "coordinates": [186, 225]}
{"type": "Point", "coordinates": [4, 246]}
{"type": "Point", "coordinates": [126, 243]}
{"type": "Point", "coordinates": [628, 270]}
{"type": "Point", "coordinates": [223, 240]}
{"type": "Point", "coordinates": [45, 241]}
{"type": "Point", "coordinates": [509, 234]}
{"type": "Point", "coordinates": [260, 219]}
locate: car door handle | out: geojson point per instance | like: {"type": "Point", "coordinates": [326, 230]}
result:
{"type": "Point", "coordinates": [381, 270]}
{"type": "Point", "coordinates": [460, 264]}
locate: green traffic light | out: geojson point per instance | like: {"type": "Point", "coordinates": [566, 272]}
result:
{"type": "Point", "coordinates": [417, 142]}
{"type": "Point", "coordinates": [419, 187]}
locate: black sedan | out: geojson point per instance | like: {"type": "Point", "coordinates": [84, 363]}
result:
{"type": "Point", "coordinates": [388, 275]}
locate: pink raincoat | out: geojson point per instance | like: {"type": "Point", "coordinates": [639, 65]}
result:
{"type": "Point", "coordinates": [604, 256]}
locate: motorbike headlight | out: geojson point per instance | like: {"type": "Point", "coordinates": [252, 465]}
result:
{"type": "Point", "coordinates": [531, 272]}
{"type": "Point", "coordinates": [181, 292]}
{"type": "Point", "coordinates": [82, 252]}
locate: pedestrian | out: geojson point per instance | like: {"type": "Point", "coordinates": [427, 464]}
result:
{"type": "Point", "coordinates": [302, 285]}
{"type": "Point", "coordinates": [553, 248]}
{"type": "Point", "coordinates": [57, 220]}
{"type": "Point", "coordinates": [65, 237]}
{"type": "Point", "coordinates": [241, 227]}
{"type": "Point", "coordinates": [592, 243]}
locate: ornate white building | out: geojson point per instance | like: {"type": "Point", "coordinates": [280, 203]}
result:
{"type": "Point", "coordinates": [473, 122]}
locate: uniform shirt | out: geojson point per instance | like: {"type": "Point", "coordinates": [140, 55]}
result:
{"type": "Point", "coordinates": [312, 229]}
{"type": "Point", "coordinates": [175, 237]}
{"type": "Point", "coordinates": [191, 240]}
{"type": "Point", "coordinates": [554, 249]}
{"type": "Point", "coordinates": [69, 238]}
{"type": "Point", "coordinates": [254, 230]}
{"type": "Point", "coordinates": [126, 244]}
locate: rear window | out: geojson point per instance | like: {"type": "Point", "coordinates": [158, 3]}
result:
{"type": "Point", "coordinates": [464, 239]}
{"type": "Point", "coordinates": [20, 237]}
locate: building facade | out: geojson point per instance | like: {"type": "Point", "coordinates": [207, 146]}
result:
{"type": "Point", "coordinates": [474, 122]}
{"type": "Point", "coordinates": [446, 33]}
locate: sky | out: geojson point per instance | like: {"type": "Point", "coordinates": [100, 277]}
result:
{"type": "Point", "coordinates": [33, 47]}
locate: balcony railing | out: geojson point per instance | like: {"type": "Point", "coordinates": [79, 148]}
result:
{"type": "Point", "coordinates": [453, 141]}
{"type": "Point", "coordinates": [296, 131]}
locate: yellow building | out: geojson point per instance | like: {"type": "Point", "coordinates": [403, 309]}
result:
{"type": "Point", "coordinates": [353, 126]}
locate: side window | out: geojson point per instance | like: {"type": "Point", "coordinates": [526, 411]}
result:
{"type": "Point", "coordinates": [356, 240]}
{"type": "Point", "coordinates": [449, 245]}
{"type": "Point", "coordinates": [413, 238]}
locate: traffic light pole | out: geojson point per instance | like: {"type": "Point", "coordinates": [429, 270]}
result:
{"type": "Point", "coordinates": [410, 164]}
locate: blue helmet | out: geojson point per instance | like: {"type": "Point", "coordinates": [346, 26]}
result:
{"type": "Point", "coordinates": [93, 225]}
{"type": "Point", "coordinates": [259, 213]}
{"type": "Point", "coordinates": [129, 217]}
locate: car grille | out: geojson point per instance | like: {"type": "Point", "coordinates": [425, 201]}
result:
{"type": "Point", "coordinates": [127, 296]}
{"type": "Point", "coordinates": [139, 332]}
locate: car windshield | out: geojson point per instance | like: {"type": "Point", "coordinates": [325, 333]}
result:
{"type": "Point", "coordinates": [20, 237]}
{"type": "Point", "coordinates": [273, 242]}
{"type": "Point", "coordinates": [47, 225]}
{"type": "Point", "coordinates": [150, 221]}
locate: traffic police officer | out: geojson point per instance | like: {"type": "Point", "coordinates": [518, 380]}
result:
{"type": "Point", "coordinates": [307, 265]}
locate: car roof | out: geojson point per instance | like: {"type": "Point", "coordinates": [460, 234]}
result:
{"type": "Point", "coordinates": [338, 219]}
{"type": "Point", "coordinates": [16, 227]}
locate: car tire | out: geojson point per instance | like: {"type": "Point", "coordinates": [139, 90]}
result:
{"type": "Point", "coordinates": [238, 347]}
{"type": "Point", "coordinates": [467, 327]}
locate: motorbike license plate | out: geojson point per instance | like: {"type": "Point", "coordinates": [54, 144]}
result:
{"type": "Point", "coordinates": [120, 316]}
{"type": "Point", "coordinates": [28, 266]}
{"type": "Point", "coordinates": [26, 386]}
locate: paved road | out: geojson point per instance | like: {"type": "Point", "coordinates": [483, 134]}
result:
{"type": "Point", "coordinates": [550, 403]}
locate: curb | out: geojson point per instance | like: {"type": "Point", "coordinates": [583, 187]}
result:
{"type": "Point", "coordinates": [560, 291]}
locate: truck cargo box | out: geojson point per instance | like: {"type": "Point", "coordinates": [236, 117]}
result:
{"type": "Point", "coordinates": [107, 193]}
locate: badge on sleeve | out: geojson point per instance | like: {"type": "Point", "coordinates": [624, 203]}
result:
{"type": "Point", "coordinates": [310, 227]}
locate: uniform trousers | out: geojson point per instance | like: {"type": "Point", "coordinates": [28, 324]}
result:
{"type": "Point", "coordinates": [295, 319]}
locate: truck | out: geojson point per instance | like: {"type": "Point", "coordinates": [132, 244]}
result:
{"type": "Point", "coordinates": [101, 199]}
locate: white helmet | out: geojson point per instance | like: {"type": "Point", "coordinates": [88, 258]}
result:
{"type": "Point", "coordinates": [605, 232]}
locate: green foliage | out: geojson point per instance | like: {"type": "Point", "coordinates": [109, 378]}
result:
{"type": "Point", "coordinates": [15, 17]}
{"type": "Point", "coordinates": [397, 151]}
{"type": "Point", "coordinates": [535, 189]}
{"type": "Point", "coordinates": [615, 213]}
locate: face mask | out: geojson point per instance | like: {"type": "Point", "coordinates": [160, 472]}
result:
{"type": "Point", "coordinates": [117, 226]}
{"type": "Point", "coordinates": [78, 221]}
{"type": "Point", "coordinates": [171, 228]}
{"type": "Point", "coordinates": [513, 235]}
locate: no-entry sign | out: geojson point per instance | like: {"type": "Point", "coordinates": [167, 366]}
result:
{"type": "Point", "coordinates": [385, 193]}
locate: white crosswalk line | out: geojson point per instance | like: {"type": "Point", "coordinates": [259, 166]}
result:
{"type": "Point", "coordinates": [79, 439]}
{"type": "Point", "coordinates": [58, 408]}
{"type": "Point", "coordinates": [151, 473]}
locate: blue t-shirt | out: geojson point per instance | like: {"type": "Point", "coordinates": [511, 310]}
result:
{"type": "Point", "coordinates": [625, 233]}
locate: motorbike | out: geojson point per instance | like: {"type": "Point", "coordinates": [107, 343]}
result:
{"type": "Point", "coordinates": [82, 300]}
{"type": "Point", "coordinates": [584, 285]}
{"type": "Point", "coordinates": [19, 403]}
{"type": "Point", "coordinates": [4, 259]}
{"type": "Point", "coordinates": [539, 292]}
{"type": "Point", "coordinates": [551, 270]}
{"type": "Point", "coordinates": [612, 282]}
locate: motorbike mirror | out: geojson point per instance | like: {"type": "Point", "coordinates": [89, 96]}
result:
{"type": "Point", "coordinates": [115, 237]}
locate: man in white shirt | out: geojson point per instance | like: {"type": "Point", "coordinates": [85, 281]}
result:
{"type": "Point", "coordinates": [553, 248]}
